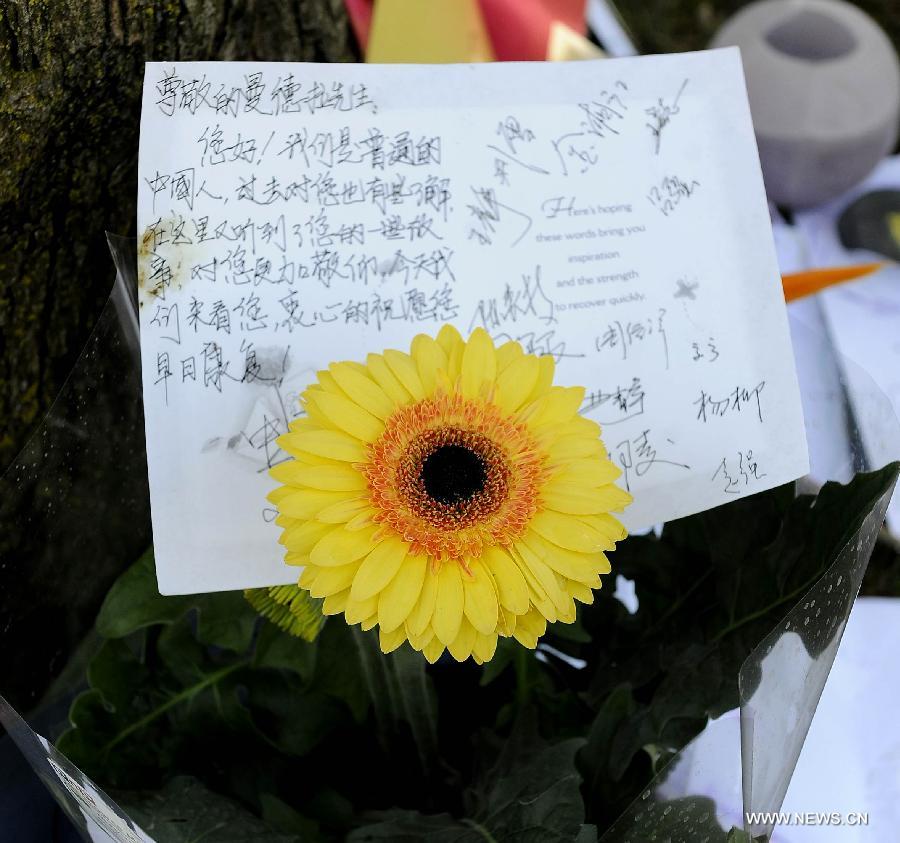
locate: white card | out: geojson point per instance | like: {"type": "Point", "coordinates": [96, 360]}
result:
{"type": "Point", "coordinates": [862, 318]}
{"type": "Point", "coordinates": [609, 213]}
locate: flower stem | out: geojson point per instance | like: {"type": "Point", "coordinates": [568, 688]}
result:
{"type": "Point", "coordinates": [480, 829]}
{"type": "Point", "coordinates": [186, 694]}
{"type": "Point", "coordinates": [523, 676]}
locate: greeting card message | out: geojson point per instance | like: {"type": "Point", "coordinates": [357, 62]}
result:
{"type": "Point", "coordinates": [610, 214]}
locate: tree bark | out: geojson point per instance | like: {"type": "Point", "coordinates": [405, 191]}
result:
{"type": "Point", "coordinates": [74, 506]}
{"type": "Point", "coordinates": [70, 90]}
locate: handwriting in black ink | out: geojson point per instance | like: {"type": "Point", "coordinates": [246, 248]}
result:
{"type": "Point", "coordinates": [489, 214]}
{"type": "Point", "coordinates": [618, 404]}
{"type": "Point", "coordinates": [737, 475]}
{"type": "Point", "coordinates": [639, 455]}
{"type": "Point", "coordinates": [624, 337]}
{"type": "Point", "coordinates": [661, 115]}
{"type": "Point", "coordinates": [737, 401]}
{"type": "Point", "coordinates": [705, 351]}
{"type": "Point", "coordinates": [516, 303]}
{"type": "Point", "coordinates": [671, 192]}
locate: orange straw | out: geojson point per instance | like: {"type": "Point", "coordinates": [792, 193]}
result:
{"type": "Point", "coordinates": [799, 284]}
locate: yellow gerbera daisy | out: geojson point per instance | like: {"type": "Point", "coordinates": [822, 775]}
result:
{"type": "Point", "coordinates": [448, 495]}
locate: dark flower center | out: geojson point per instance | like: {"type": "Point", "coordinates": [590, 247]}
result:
{"type": "Point", "coordinates": [453, 474]}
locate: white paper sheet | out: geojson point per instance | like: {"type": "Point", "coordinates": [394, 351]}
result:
{"type": "Point", "coordinates": [610, 213]}
{"type": "Point", "coordinates": [862, 319]}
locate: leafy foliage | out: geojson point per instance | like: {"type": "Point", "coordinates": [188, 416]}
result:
{"type": "Point", "coordinates": [185, 811]}
{"type": "Point", "coordinates": [327, 739]}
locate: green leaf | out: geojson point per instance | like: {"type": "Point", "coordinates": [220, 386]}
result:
{"type": "Point", "coordinates": [277, 650]}
{"type": "Point", "coordinates": [122, 728]}
{"type": "Point", "coordinates": [396, 686]}
{"type": "Point", "coordinates": [338, 671]}
{"type": "Point", "coordinates": [225, 619]}
{"type": "Point", "coordinates": [294, 718]}
{"type": "Point", "coordinates": [134, 602]}
{"type": "Point", "coordinates": [417, 701]}
{"type": "Point", "coordinates": [282, 817]}
{"type": "Point", "coordinates": [413, 827]}
{"type": "Point", "coordinates": [599, 764]}
{"type": "Point", "coordinates": [532, 794]}
{"type": "Point", "coordinates": [184, 811]}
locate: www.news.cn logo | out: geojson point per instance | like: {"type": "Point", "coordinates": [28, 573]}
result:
{"type": "Point", "coordinates": [807, 818]}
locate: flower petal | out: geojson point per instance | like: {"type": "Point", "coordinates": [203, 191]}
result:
{"type": "Point", "coordinates": [430, 359]}
{"type": "Point", "coordinates": [347, 415]}
{"type": "Point", "coordinates": [343, 511]}
{"type": "Point", "coordinates": [433, 650]}
{"type": "Point", "coordinates": [382, 375]}
{"type": "Point", "coordinates": [479, 363]}
{"type": "Point", "coordinates": [508, 353]}
{"type": "Point", "coordinates": [362, 519]}
{"type": "Point", "coordinates": [581, 592]}
{"type": "Point", "coordinates": [303, 536]}
{"type": "Point", "coordinates": [587, 472]}
{"type": "Point", "coordinates": [538, 567]}
{"type": "Point", "coordinates": [420, 617]}
{"type": "Point", "coordinates": [568, 532]}
{"type": "Point", "coordinates": [461, 646]}
{"type": "Point", "coordinates": [419, 642]}
{"type": "Point", "coordinates": [529, 628]}
{"type": "Point", "coordinates": [324, 443]}
{"type": "Point", "coordinates": [400, 596]}
{"type": "Point", "coordinates": [574, 448]}
{"type": "Point", "coordinates": [506, 623]}
{"type": "Point", "coordinates": [449, 338]}
{"type": "Point", "coordinates": [546, 368]}
{"type": "Point", "coordinates": [559, 405]}
{"type": "Point", "coordinates": [336, 603]}
{"type": "Point", "coordinates": [537, 594]}
{"type": "Point", "coordinates": [337, 477]}
{"type": "Point", "coordinates": [363, 390]}
{"type": "Point", "coordinates": [306, 503]}
{"type": "Point", "coordinates": [576, 566]}
{"type": "Point", "coordinates": [327, 581]}
{"type": "Point", "coordinates": [511, 588]}
{"type": "Point", "coordinates": [379, 568]}
{"type": "Point", "coordinates": [358, 611]}
{"type": "Point", "coordinates": [448, 607]}
{"type": "Point", "coordinates": [516, 383]}
{"type": "Point", "coordinates": [485, 647]}
{"type": "Point", "coordinates": [577, 499]}
{"type": "Point", "coordinates": [480, 598]}
{"type": "Point", "coordinates": [404, 368]}
{"type": "Point", "coordinates": [341, 547]}
{"type": "Point", "coordinates": [390, 641]}
{"type": "Point", "coordinates": [609, 527]}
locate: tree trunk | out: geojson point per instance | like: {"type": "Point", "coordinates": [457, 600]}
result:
{"type": "Point", "coordinates": [74, 506]}
{"type": "Point", "coordinates": [70, 92]}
